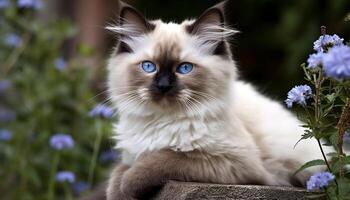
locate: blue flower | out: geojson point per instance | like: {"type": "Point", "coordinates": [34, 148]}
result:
{"type": "Point", "coordinates": [7, 115]}
{"type": "Point", "coordinates": [319, 181]}
{"type": "Point", "coordinates": [5, 85]}
{"type": "Point", "coordinates": [61, 141]}
{"type": "Point", "coordinates": [80, 187]}
{"type": "Point", "coordinates": [315, 60]}
{"type": "Point", "coordinates": [4, 3]}
{"type": "Point", "coordinates": [299, 94]}
{"type": "Point", "coordinates": [60, 64]}
{"type": "Point", "coordinates": [5, 135]}
{"type": "Point", "coordinates": [326, 41]}
{"type": "Point", "coordinates": [36, 4]}
{"type": "Point", "coordinates": [108, 156]}
{"type": "Point", "coordinates": [336, 63]}
{"type": "Point", "coordinates": [13, 40]}
{"type": "Point", "coordinates": [101, 110]}
{"type": "Point", "coordinates": [65, 176]}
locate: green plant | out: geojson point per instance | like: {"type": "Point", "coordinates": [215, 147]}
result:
{"type": "Point", "coordinates": [327, 113]}
{"type": "Point", "coordinates": [42, 93]}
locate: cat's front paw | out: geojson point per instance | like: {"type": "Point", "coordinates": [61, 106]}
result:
{"type": "Point", "coordinates": [140, 183]}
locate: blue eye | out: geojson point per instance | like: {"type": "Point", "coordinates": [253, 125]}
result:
{"type": "Point", "coordinates": [184, 68]}
{"type": "Point", "coordinates": [148, 66]}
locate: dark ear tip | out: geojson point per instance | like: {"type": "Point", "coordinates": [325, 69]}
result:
{"type": "Point", "coordinates": [128, 13]}
{"type": "Point", "coordinates": [222, 4]}
{"type": "Point", "coordinates": [124, 7]}
{"type": "Point", "coordinates": [221, 7]}
{"type": "Point", "coordinates": [213, 15]}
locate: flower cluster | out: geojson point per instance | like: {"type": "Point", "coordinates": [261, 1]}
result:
{"type": "Point", "coordinates": [5, 85]}
{"type": "Point", "coordinates": [332, 55]}
{"type": "Point", "coordinates": [319, 181]}
{"type": "Point", "coordinates": [60, 64]}
{"type": "Point", "coordinates": [5, 135]}
{"type": "Point", "coordinates": [336, 63]}
{"type": "Point", "coordinates": [80, 187]}
{"type": "Point", "coordinates": [34, 4]}
{"type": "Point", "coordinates": [101, 110]}
{"type": "Point", "coordinates": [299, 94]}
{"type": "Point", "coordinates": [326, 41]}
{"type": "Point", "coordinates": [29, 4]}
{"type": "Point", "coordinates": [13, 40]}
{"type": "Point", "coordinates": [65, 176]}
{"type": "Point", "coordinates": [108, 156]}
{"type": "Point", "coordinates": [4, 3]}
{"type": "Point", "coordinates": [315, 60]}
{"type": "Point", "coordinates": [61, 141]}
{"type": "Point", "coordinates": [7, 115]}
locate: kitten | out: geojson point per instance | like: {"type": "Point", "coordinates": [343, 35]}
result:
{"type": "Point", "coordinates": [184, 115]}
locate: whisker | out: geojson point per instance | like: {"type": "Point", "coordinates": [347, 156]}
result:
{"type": "Point", "coordinates": [110, 90]}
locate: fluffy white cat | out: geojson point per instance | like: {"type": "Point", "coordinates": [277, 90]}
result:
{"type": "Point", "coordinates": [185, 115]}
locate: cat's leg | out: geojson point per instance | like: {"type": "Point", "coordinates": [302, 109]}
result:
{"type": "Point", "coordinates": [285, 170]}
{"type": "Point", "coordinates": [152, 170]}
{"type": "Point", "coordinates": [113, 189]}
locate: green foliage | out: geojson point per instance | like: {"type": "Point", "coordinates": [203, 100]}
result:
{"type": "Point", "coordinates": [48, 98]}
{"type": "Point", "coordinates": [311, 164]}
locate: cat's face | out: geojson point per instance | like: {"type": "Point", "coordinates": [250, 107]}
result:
{"type": "Point", "coordinates": [168, 66]}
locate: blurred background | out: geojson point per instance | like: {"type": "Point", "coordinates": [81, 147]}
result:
{"type": "Point", "coordinates": [55, 122]}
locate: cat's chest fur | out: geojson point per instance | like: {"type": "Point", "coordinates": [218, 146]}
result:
{"type": "Point", "coordinates": [137, 134]}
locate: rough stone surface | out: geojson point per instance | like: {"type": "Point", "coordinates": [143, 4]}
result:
{"type": "Point", "coordinates": [190, 191]}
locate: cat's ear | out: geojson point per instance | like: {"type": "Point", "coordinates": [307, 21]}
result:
{"type": "Point", "coordinates": [131, 24]}
{"type": "Point", "coordinates": [131, 18]}
{"type": "Point", "coordinates": [211, 29]}
{"type": "Point", "coordinates": [214, 16]}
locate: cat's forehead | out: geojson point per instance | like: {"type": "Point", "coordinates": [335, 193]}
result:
{"type": "Point", "coordinates": [170, 32]}
{"type": "Point", "coordinates": [169, 39]}
{"type": "Point", "coordinates": [171, 26]}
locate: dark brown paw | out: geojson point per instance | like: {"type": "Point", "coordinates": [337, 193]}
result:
{"type": "Point", "coordinates": [140, 184]}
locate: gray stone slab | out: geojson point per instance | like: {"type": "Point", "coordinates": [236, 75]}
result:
{"type": "Point", "coordinates": [190, 191]}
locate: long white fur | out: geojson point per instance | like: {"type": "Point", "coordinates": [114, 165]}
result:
{"type": "Point", "coordinates": [210, 35]}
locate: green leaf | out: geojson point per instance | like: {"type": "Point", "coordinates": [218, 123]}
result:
{"type": "Point", "coordinates": [347, 160]}
{"type": "Point", "coordinates": [334, 139]}
{"type": "Point", "coordinates": [311, 164]}
{"type": "Point", "coordinates": [330, 97]}
{"type": "Point", "coordinates": [332, 191]}
{"type": "Point", "coordinates": [332, 154]}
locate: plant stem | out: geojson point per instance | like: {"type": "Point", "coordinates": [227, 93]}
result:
{"type": "Point", "coordinates": [343, 124]}
{"type": "Point", "coordinates": [50, 194]}
{"type": "Point", "coordinates": [95, 152]}
{"type": "Point", "coordinates": [324, 155]}
{"type": "Point", "coordinates": [67, 192]}
{"type": "Point", "coordinates": [318, 83]}
{"type": "Point", "coordinates": [12, 59]}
